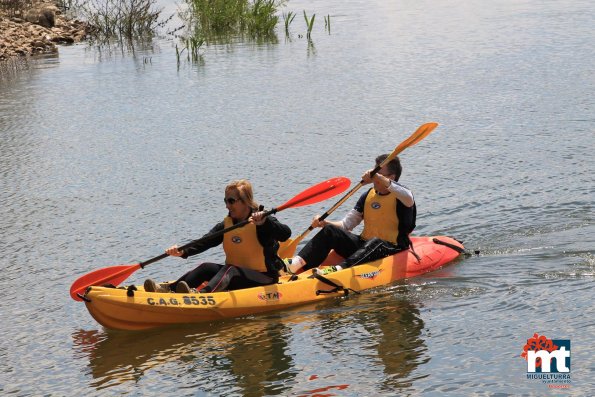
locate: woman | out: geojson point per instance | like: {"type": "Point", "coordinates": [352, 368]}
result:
{"type": "Point", "coordinates": [250, 251]}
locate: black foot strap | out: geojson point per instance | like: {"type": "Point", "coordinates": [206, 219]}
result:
{"type": "Point", "coordinates": [337, 288]}
{"type": "Point", "coordinates": [449, 245]}
{"type": "Point", "coordinates": [130, 290]}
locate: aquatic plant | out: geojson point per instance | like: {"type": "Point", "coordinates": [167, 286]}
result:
{"type": "Point", "coordinates": [262, 18]}
{"type": "Point", "coordinates": [122, 19]}
{"type": "Point", "coordinates": [288, 19]}
{"type": "Point", "coordinates": [192, 46]}
{"type": "Point", "coordinates": [327, 23]}
{"type": "Point", "coordinates": [224, 18]}
{"type": "Point", "coordinates": [228, 21]}
{"type": "Point", "coordinates": [309, 23]}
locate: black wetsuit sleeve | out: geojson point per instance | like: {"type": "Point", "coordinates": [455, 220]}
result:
{"type": "Point", "coordinates": [272, 229]}
{"type": "Point", "coordinates": [201, 245]}
{"type": "Point", "coordinates": [269, 234]}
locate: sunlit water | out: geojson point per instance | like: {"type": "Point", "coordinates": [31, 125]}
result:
{"type": "Point", "coordinates": [108, 158]}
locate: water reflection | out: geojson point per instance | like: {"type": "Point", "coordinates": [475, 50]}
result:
{"type": "Point", "coordinates": [140, 50]}
{"type": "Point", "coordinates": [247, 357]}
{"type": "Point", "coordinates": [11, 68]}
{"type": "Point", "coordinates": [371, 331]}
{"type": "Point", "coordinates": [400, 345]}
{"type": "Point", "coordinates": [253, 357]}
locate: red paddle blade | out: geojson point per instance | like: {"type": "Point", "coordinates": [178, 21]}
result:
{"type": "Point", "coordinates": [108, 275]}
{"type": "Point", "coordinates": [317, 193]}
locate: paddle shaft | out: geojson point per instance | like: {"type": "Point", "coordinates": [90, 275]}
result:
{"type": "Point", "coordinates": [205, 238]}
{"type": "Point", "coordinates": [343, 199]}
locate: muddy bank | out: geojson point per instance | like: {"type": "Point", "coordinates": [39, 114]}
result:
{"type": "Point", "coordinates": [38, 30]}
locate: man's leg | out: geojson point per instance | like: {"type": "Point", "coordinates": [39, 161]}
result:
{"type": "Point", "coordinates": [329, 238]}
{"type": "Point", "coordinates": [372, 250]}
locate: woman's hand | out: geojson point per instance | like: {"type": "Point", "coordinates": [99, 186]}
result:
{"type": "Point", "coordinates": [174, 251]}
{"type": "Point", "coordinates": [258, 218]}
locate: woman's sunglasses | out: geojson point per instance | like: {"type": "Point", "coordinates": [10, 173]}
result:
{"type": "Point", "coordinates": [230, 200]}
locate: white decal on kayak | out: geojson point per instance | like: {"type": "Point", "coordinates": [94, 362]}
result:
{"type": "Point", "coordinates": [371, 275]}
{"type": "Point", "coordinates": [236, 239]}
{"type": "Point", "coordinates": [269, 296]}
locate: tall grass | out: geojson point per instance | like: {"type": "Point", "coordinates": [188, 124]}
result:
{"type": "Point", "coordinates": [225, 21]}
{"type": "Point", "coordinates": [122, 19]}
{"type": "Point", "coordinates": [262, 18]}
{"type": "Point", "coordinates": [224, 18]}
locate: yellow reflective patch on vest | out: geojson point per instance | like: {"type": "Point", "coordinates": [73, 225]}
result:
{"type": "Point", "coordinates": [380, 217]}
{"type": "Point", "coordinates": [242, 247]}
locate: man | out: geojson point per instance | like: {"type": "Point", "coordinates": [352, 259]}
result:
{"type": "Point", "coordinates": [388, 211]}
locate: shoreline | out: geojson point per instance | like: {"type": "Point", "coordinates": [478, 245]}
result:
{"type": "Point", "coordinates": [39, 30]}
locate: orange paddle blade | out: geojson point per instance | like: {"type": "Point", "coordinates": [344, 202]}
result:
{"type": "Point", "coordinates": [287, 248]}
{"type": "Point", "coordinates": [107, 275]}
{"type": "Point", "coordinates": [423, 131]}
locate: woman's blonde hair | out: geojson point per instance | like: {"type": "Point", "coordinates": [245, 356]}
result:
{"type": "Point", "coordinates": [244, 189]}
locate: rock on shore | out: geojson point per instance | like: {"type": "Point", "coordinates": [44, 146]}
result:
{"type": "Point", "coordinates": [38, 31]}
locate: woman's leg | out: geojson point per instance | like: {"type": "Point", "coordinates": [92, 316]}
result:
{"type": "Point", "coordinates": [194, 278]}
{"type": "Point", "coordinates": [233, 277]}
{"type": "Point", "coordinates": [329, 238]}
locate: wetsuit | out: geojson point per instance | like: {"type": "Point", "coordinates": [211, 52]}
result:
{"type": "Point", "coordinates": [251, 257]}
{"type": "Point", "coordinates": [387, 224]}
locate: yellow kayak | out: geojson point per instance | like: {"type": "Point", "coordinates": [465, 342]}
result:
{"type": "Point", "coordinates": [132, 308]}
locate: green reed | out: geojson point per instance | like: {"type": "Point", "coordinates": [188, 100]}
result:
{"type": "Point", "coordinates": [288, 19]}
{"type": "Point", "coordinates": [224, 18]}
{"type": "Point", "coordinates": [327, 23]}
{"type": "Point", "coordinates": [309, 23]}
{"type": "Point", "coordinates": [192, 46]}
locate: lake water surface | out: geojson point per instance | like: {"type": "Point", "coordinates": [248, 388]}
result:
{"type": "Point", "coordinates": [109, 158]}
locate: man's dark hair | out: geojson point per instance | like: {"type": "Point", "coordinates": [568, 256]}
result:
{"type": "Point", "coordinates": [394, 166]}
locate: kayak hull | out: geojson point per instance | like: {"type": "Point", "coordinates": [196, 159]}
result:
{"type": "Point", "coordinates": [135, 309]}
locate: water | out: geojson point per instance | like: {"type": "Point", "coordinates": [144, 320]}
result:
{"type": "Point", "coordinates": [109, 158]}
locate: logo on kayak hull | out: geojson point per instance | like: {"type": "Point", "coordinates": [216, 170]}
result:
{"type": "Point", "coordinates": [236, 239]}
{"type": "Point", "coordinates": [370, 275]}
{"type": "Point", "coordinates": [269, 296]}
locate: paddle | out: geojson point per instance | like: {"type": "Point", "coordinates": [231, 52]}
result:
{"type": "Point", "coordinates": [117, 274]}
{"type": "Point", "coordinates": [289, 247]}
